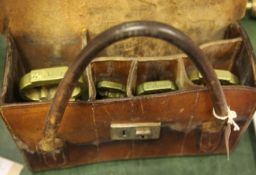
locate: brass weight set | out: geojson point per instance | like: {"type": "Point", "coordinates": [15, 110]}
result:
{"type": "Point", "coordinates": [41, 84]}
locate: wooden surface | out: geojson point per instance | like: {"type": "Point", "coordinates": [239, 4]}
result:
{"type": "Point", "coordinates": [242, 160]}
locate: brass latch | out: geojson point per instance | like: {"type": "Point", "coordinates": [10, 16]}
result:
{"type": "Point", "coordinates": [135, 131]}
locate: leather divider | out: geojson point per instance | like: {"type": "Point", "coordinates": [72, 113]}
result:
{"type": "Point", "coordinates": [131, 71]}
{"type": "Point", "coordinates": [222, 55]}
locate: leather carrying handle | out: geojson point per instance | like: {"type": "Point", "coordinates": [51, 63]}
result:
{"type": "Point", "coordinates": [50, 143]}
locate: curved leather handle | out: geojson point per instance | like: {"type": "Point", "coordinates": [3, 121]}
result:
{"type": "Point", "coordinates": [50, 143]}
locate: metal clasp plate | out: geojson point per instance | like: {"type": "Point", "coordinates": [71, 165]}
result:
{"type": "Point", "coordinates": [135, 131]}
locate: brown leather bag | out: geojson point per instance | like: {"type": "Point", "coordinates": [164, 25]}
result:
{"type": "Point", "coordinates": [63, 134]}
{"type": "Point", "coordinates": [83, 134]}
